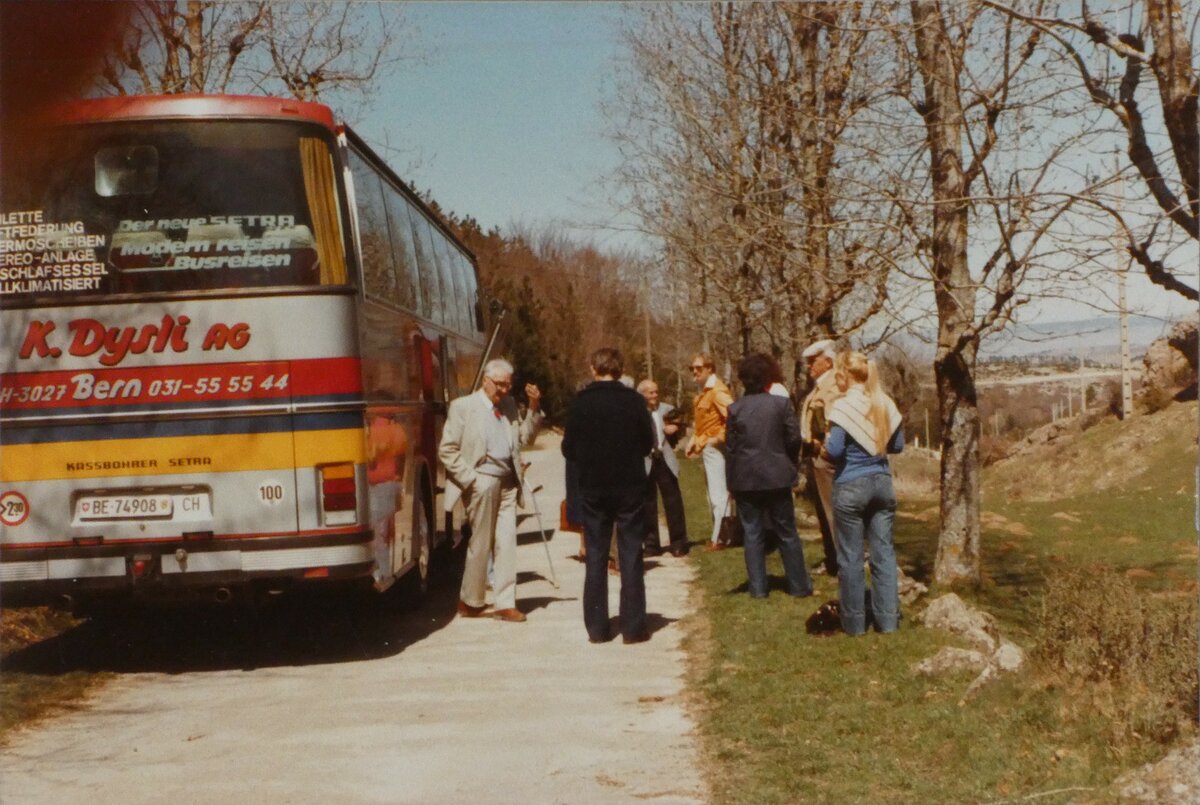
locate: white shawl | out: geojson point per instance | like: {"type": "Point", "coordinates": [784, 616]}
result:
{"type": "Point", "coordinates": [850, 412]}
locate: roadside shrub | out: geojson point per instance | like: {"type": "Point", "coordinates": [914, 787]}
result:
{"type": "Point", "coordinates": [1126, 655]}
{"type": "Point", "coordinates": [993, 449]}
{"type": "Point", "coordinates": [1154, 399]}
{"type": "Point", "coordinates": [23, 627]}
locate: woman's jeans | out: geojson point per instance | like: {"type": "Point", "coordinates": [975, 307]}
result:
{"type": "Point", "coordinates": [866, 507]}
{"type": "Point", "coordinates": [772, 509]}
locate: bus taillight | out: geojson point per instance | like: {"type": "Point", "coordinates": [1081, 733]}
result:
{"type": "Point", "coordinates": [339, 498]}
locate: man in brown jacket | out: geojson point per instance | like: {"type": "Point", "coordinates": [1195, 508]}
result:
{"type": "Point", "coordinates": [819, 358]}
{"type": "Point", "coordinates": [711, 409]}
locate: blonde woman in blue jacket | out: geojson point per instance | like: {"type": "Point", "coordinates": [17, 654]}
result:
{"type": "Point", "coordinates": [865, 428]}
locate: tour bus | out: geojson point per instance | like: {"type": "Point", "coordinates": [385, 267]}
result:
{"type": "Point", "coordinates": [229, 336]}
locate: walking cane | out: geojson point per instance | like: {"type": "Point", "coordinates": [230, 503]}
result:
{"type": "Point", "coordinates": [537, 513]}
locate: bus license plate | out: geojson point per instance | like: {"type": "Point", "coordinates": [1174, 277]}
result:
{"type": "Point", "coordinates": [124, 507]}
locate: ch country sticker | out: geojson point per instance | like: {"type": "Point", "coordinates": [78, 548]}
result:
{"type": "Point", "coordinates": [14, 508]}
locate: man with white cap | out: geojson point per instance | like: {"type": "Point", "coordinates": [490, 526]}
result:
{"type": "Point", "coordinates": [819, 357]}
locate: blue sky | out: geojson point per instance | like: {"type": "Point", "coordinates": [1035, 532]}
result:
{"type": "Point", "coordinates": [502, 120]}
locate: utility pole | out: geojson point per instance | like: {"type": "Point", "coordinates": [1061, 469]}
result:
{"type": "Point", "coordinates": [678, 355]}
{"type": "Point", "coordinates": [1122, 272]}
{"type": "Point", "coordinates": [1126, 375]}
{"type": "Point", "coordinates": [649, 348]}
{"type": "Point", "coordinates": [928, 444]}
{"type": "Point", "coordinates": [1082, 387]}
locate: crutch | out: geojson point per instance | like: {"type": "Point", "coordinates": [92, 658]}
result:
{"type": "Point", "coordinates": [537, 513]}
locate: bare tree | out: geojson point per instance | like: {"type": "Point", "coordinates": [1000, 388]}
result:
{"type": "Point", "coordinates": [1110, 50]}
{"type": "Point", "coordinates": [305, 50]}
{"type": "Point", "coordinates": [982, 209]}
{"type": "Point", "coordinates": [736, 130]}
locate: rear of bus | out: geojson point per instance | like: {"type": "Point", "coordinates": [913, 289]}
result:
{"type": "Point", "coordinates": [181, 405]}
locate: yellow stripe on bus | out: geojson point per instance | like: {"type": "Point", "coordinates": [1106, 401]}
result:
{"type": "Point", "coordinates": [179, 454]}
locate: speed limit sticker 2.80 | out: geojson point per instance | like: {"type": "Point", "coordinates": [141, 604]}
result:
{"type": "Point", "coordinates": [14, 508]}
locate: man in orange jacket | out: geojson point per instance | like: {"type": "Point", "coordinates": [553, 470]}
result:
{"type": "Point", "coordinates": [710, 409]}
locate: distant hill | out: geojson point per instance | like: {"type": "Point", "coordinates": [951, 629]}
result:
{"type": "Point", "coordinates": [1096, 339]}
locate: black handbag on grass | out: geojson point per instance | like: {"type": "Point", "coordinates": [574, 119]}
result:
{"type": "Point", "coordinates": [730, 534]}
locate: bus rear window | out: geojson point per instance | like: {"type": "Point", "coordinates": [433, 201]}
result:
{"type": "Point", "coordinates": [171, 206]}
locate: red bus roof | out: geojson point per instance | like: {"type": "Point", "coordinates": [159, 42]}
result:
{"type": "Point", "coordinates": [130, 107]}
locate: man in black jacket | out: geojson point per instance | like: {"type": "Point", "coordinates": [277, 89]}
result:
{"type": "Point", "coordinates": [608, 435]}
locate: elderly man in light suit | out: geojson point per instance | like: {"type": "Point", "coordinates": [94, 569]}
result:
{"type": "Point", "coordinates": [662, 467]}
{"type": "Point", "coordinates": [480, 449]}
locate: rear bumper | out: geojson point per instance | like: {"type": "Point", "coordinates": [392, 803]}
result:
{"type": "Point", "coordinates": [178, 567]}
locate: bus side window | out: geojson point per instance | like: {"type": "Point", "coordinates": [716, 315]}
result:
{"type": "Point", "coordinates": [426, 267]}
{"type": "Point", "coordinates": [478, 323]}
{"type": "Point", "coordinates": [451, 285]}
{"type": "Point", "coordinates": [466, 294]}
{"type": "Point", "coordinates": [438, 279]}
{"type": "Point", "coordinates": [373, 230]}
{"type": "Point", "coordinates": [408, 287]}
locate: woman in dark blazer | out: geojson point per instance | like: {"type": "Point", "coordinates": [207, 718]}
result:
{"type": "Point", "coordinates": [762, 447]}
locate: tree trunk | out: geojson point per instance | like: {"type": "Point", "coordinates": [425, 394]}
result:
{"type": "Point", "coordinates": [1179, 93]}
{"type": "Point", "coordinates": [954, 366]}
{"type": "Point", "coordinates": [958, 543]}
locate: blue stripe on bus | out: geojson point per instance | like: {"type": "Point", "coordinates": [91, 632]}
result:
{"type": "Point", "coordinates": [209, 426]}
{"type": "Point", "coordinates": [34, 413]}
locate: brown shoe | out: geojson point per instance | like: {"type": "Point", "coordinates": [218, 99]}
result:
{"type": "Point", "coordinates": [714, 546]}
{"type": "Point", "coordinates": [510, 615]}
{"type": "Point", "coordinates": [468, 611]}
{"type": "Point", "coordinates": [640, 637]}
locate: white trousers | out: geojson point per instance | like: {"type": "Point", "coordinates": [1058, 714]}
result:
{"type": "Point", "coordinates": [492, 509]}
{"type": "Point", "coordinates": [714, 474]}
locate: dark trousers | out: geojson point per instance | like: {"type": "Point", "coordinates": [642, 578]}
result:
{"type": "Point", "coordinates": [663, 481]}
{"type": "Point", "coordinates": [600, 511]}
{"type": "Point", "coordinates": [772, 509]}
{"type": "Point", "coordinates": [820, 493]}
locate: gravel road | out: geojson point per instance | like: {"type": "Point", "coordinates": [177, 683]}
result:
{"type": "Point", "coordinates": [323, 701]}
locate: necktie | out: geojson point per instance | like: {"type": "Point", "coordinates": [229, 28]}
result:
{"type": "Point", "coordinates": [496, 411]}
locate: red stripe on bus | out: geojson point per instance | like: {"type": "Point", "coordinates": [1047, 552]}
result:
{"type": "Point", "coordinates": [327, 376]}
{"type": "Point", "coordinates": [183, 383]}
{"type": "Point", "coordinates": [37, 546]}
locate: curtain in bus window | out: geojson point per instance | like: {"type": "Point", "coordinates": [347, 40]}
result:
{"type": "Point", "coordinates": [320, 189]}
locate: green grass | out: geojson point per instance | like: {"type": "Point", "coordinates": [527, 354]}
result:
{"type": "Point", "coordinates": [788, 718]}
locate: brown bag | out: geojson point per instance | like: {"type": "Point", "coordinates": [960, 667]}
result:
{"type": "Point", "coordinates": [565, 524]}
